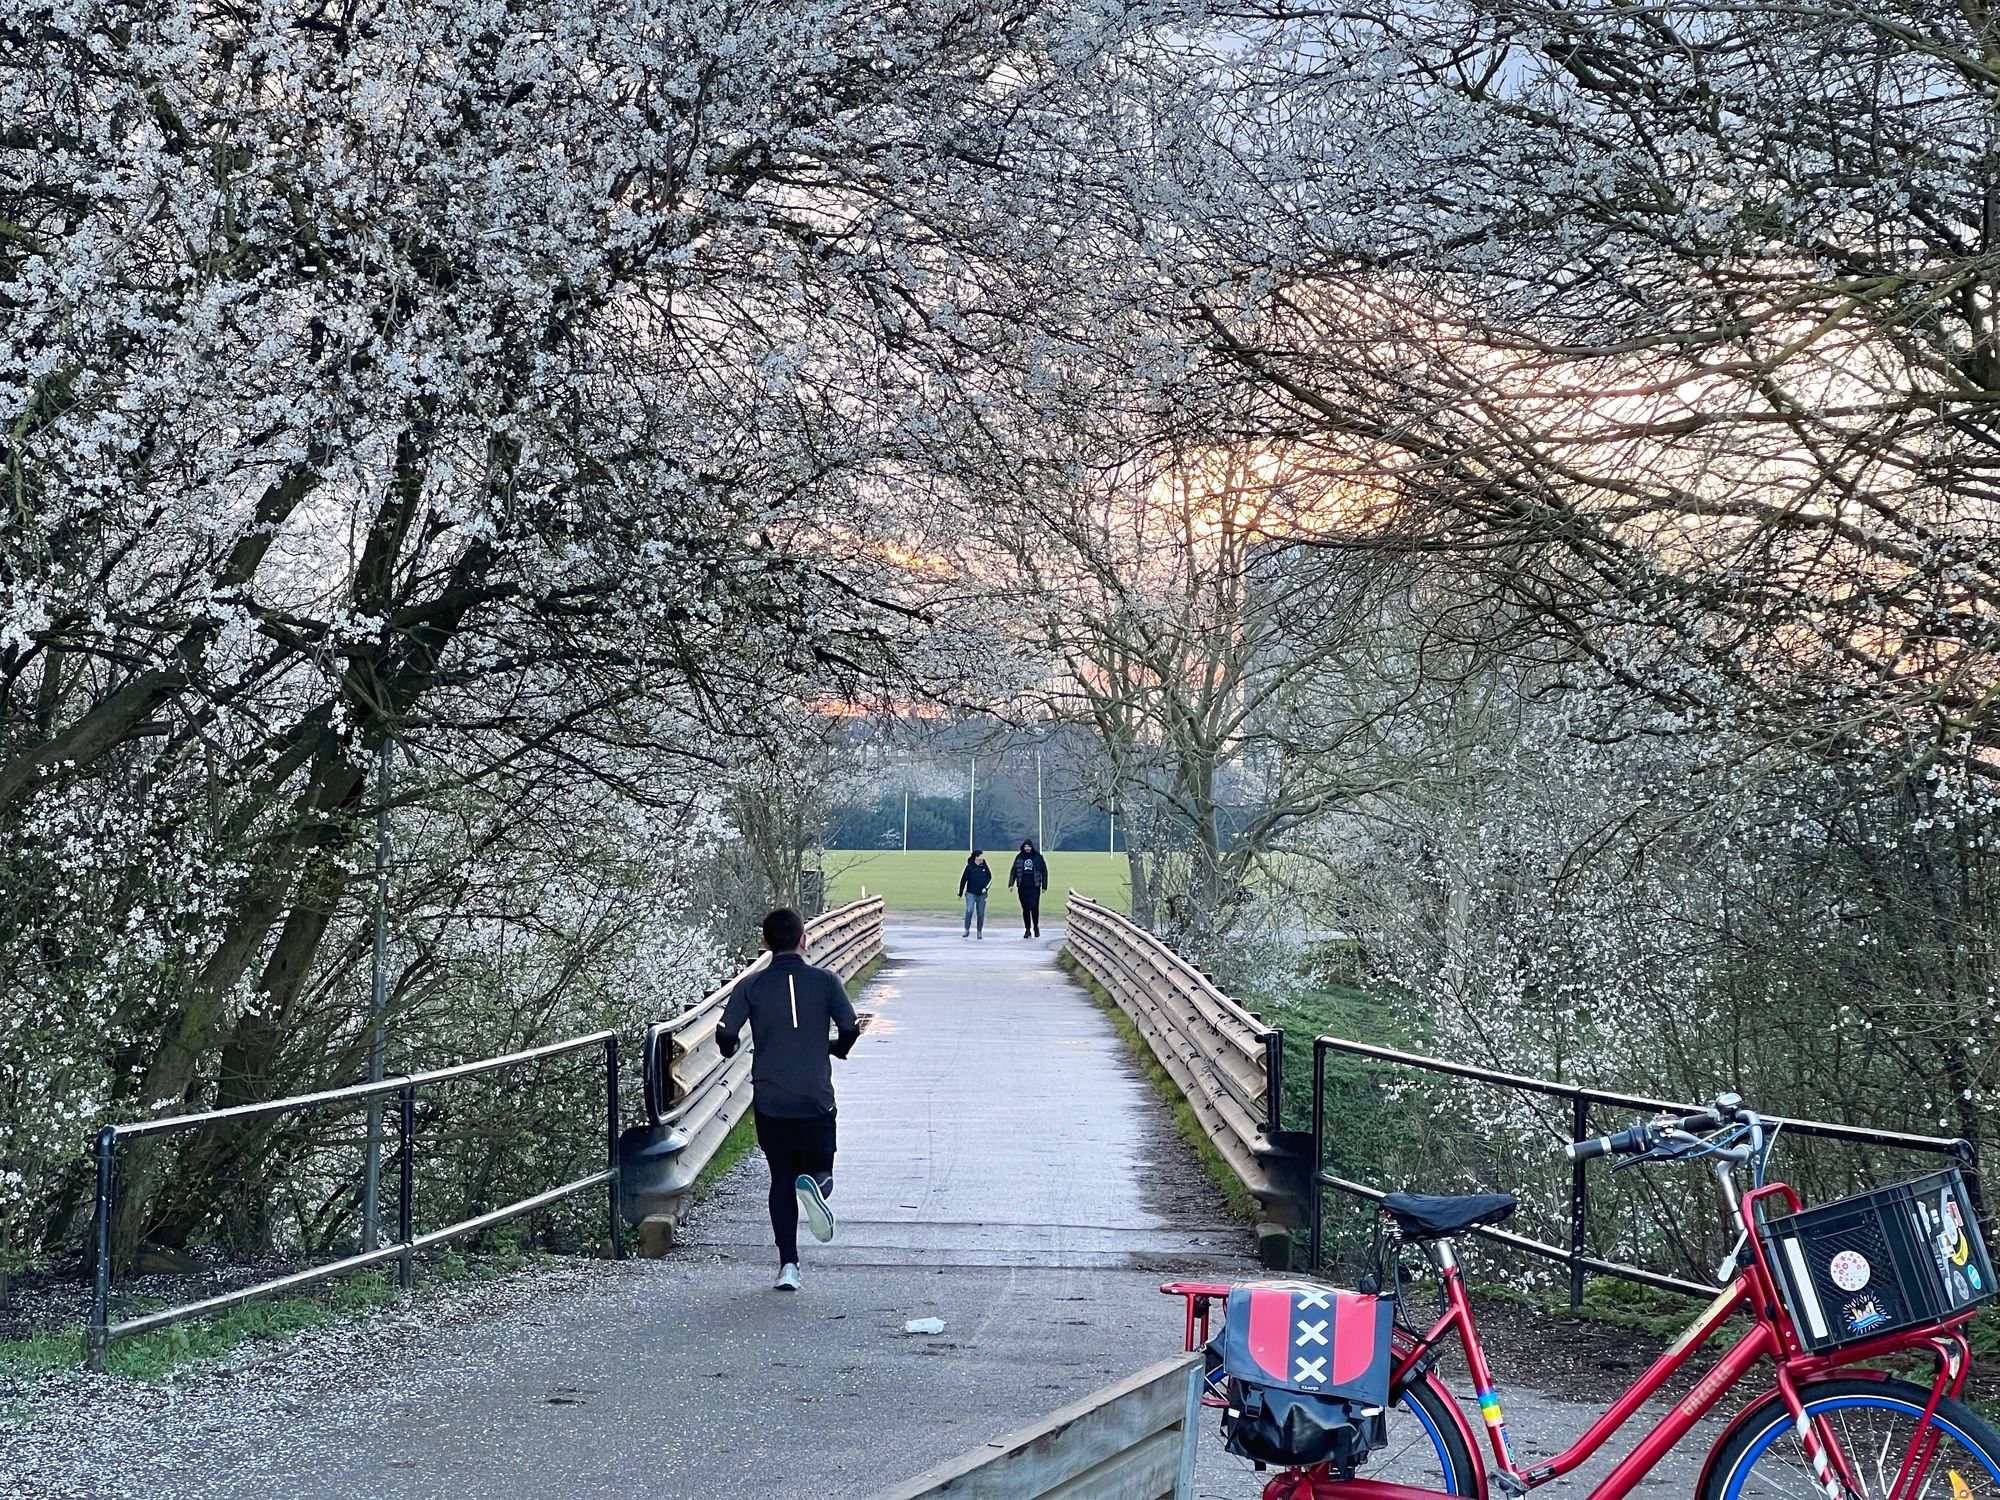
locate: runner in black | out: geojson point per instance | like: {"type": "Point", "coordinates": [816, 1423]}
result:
{"type": "Point", "coordinates": [793, 1009]}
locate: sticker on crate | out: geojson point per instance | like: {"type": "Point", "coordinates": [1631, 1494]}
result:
{"type": "Point", "coordinates": [1850, 1270]}
{"type": "Point", "coordinates": [1942, 1223]}
{"type": "Point", "coordinates": [1864, 1316]}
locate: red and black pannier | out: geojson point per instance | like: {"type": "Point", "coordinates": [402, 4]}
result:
{"type": "Point", "coordinates": [1306, 1372]}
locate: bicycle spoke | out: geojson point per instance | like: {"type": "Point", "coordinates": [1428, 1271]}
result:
{"type": "Point", "coordinates": [1885, 1476]}
{"type": "Point", "coordinates": [1410, 1456]}
{"type": "Point", "coordinates": [1874, 1441]}
{"type": "Point", "coordinates": [1856, 1452]}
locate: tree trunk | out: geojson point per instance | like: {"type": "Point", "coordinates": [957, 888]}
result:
{"type": "Point", "coordinates": [1142, 887]}
{"type": "Point", "coordinates": [334, 790]}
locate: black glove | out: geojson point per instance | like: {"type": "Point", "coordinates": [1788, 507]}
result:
{"type": "Point", "coordinates": [844, 1043]}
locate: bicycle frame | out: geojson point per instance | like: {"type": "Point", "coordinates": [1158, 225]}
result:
{"type": "Point", "coordinates": [1770, 1336]}
{"type": "Point", "coordinates": [1753, 1290]}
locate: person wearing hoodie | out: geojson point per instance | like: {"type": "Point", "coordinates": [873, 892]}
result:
{"type": "Point", "coordinates": [972, 883]}
{"type": "Point", "coordinates": [793, 1010]}
{"type": "Point", "coordinates": [1029, 876]}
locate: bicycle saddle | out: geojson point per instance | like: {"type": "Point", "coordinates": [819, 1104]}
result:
{"type": "Point", "coordinates": [1423, 1217]}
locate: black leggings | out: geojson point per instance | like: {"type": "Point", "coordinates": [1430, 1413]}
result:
{"type": "Point", "coordinates": [1031, 910]}
{"type": "Point", "coordinates": [795, 1149]}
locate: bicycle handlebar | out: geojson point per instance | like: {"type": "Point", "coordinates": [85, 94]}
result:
{"type": "Point", "coordinates": [1726, 1110]}
{"type": "Point", "coordinates": [1638, 1138]}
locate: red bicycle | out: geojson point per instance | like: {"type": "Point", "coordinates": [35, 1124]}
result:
{"type": "Point", "coordinates": [1819, 1309]}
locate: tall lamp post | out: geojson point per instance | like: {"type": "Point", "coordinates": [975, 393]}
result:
{"type": "Point", "coordinates": [971, 803]}
{"type": "Point", "coordinates": [371, 1187]}
{"type": "Point", "coordinates": [1041, 826]}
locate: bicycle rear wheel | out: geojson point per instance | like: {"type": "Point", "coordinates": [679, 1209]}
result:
{"type": "Point", "coordinates": [1426, 1447]}
{"type": "Point", "coordinates": [1874, 1422]}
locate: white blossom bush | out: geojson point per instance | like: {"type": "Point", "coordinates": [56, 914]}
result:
{"type": "Point", "coordinates": [536, 386]}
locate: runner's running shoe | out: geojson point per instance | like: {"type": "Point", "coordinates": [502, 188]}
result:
{"type": "Point", "coordinates": [813, 1204]}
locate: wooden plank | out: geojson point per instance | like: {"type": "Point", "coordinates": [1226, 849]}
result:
{"type": "Point", "coordinates": [1036, 1460]}
{"type": "Point", "coordinates": [1190, 1434]}
{"type": "Point", "coordinates": [1233, 1129]}
{"type": "Point", "coordinates": [1149, 1470]}
{"type": "Point", "coordinates": [1227, 1014]}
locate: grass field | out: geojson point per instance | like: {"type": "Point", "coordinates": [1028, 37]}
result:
{"type": "Point", "coordinates": [926, 880]}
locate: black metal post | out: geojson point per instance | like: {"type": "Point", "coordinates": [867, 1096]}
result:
{"type": "Point", "coordinates": [406, 1190]}
{"type": "Point", "coordinates": [1579, 1200]}
{"type": "Point", "coordinates": [1967, 1156]}
{"type": "Point", "coordinates": [1274, 1082]}
{"type": "Point", "coordinates": [100, 1281]}
{"type": "Point", "coordinates": [611, 1143]}
{"type": "Point", "coordinates": [371, 1185]}
{"type": "Point", "coordinates": [1315, 1248]}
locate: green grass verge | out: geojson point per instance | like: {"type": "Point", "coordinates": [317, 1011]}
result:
{"type": "Point", "coordinates": [155, 1356]}
{"type": "Point", "coordinates": [926, 880]}
{"type": "Point", "coordinates": [865, 975]}
{"type": "Point", "coordinates": [1343, 1011]}
{"type": "Point", "coordinates": [1185, 1120]}
{"type": "Point", "coordinates": [159, 1355]}
{"type": "Point", "coordinates": [735, 1146]}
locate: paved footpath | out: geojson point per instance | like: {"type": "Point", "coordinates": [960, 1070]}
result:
{"type": "Point", "coordinates": [1002, 1166]}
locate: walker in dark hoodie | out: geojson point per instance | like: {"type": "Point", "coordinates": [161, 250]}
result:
{"type": "Point", "coordinates": [1029, 876]}
{"type": "Point", "coordinates": [972, 883]}
{"type": "Point", "coordinates": [792, 1007]}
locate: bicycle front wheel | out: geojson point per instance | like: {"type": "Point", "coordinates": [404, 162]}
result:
{"type": "Point", "coordinates": [1874, 1422]}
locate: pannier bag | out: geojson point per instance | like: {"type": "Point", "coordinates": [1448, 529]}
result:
{"type": "Point", "coordinates": [1306, 1372]}
{"type": "Point", "coordinates": [1896, 1258]}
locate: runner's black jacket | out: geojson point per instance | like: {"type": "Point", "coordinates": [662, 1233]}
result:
{"type": "Point", "coordinates": [791, 1007]}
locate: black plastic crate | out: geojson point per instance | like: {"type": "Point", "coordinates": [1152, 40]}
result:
{"type": "Point", "coordinates": [1880, 1262]}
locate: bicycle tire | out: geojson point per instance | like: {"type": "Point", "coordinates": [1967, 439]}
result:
{"type": "Point", "coordinates": [1432, 1407]}
{"type": "Point", "coordinates": [1755, 1462]}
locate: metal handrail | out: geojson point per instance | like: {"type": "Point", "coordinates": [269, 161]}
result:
{"type": "Point", "coordinates": [1524, 1242]}
{"type": "Point", "coordinates": [173, 1124]}
{"type": "Point", "coordinates": [1862, 1135]}
{"type": "Point", "coordinates": [1132, 931]}
{"type": "Point", "coordinates": [1581, 1097]}
{"type": "Point", "coordinates": [1227, 1062]}
{"type": "Point", "coordinates": [408, 1242]}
